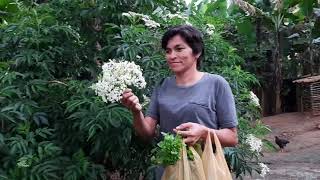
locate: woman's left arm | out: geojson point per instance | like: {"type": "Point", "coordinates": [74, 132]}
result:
{"type": "Point", "coordinates": [228, 137]}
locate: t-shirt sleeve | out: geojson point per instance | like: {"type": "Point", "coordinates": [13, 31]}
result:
{"type": "Point", "coordinates": [225, 105]}
{"type": "Point", "coordinates": [153, 109]}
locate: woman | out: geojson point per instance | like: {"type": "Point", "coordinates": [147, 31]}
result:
{"type": "Point", "coordinates": [190, 103]}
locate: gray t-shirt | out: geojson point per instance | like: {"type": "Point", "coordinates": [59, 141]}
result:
{"type": "Point", "coordinates": [209, 102]}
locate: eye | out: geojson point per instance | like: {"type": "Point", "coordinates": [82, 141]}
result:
{"type": "Point", "coordinates": [168, 51]}
{"type": "Point", "coordinates": [179, 49]}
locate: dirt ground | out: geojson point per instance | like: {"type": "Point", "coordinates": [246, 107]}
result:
{"type": "Point", "coordinates": [301, 157]}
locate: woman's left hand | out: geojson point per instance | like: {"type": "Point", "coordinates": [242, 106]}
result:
{"type": "Point", "coordinates": [191, 132]}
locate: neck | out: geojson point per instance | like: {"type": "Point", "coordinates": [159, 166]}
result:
{"type": "Point", "coordinates": [189, 77]}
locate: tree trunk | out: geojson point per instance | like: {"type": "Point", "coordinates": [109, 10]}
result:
{"type": "Point", "coordinates": [310, 49]}
{"type": "Point", "coordinates": [278, 74]}
{"type": "Point", "coordinates": [278, 99]}
{"type": "Point", "coordinates": [258, 32]}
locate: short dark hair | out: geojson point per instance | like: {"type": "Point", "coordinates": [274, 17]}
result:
{"type": "Point", "coordinates": [191, 36]}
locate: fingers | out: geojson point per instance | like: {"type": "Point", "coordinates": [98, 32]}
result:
{"type": "Point", "coordinates": [184, 126]}
{"type": "Point", "coordinates": [127, 94]}
{"type": "Point", "coordinates": [125, 98]}
{"type": "Point", "coordinates": [127, 90]}
{"type": "Point", "coordinates": [191, 132]}
{"type": "Point", "coordinates": [184, 133]}
{"type": "Point", "coordinates": [138, 107]}
{"type": "Point", "coordinates": [130, 100]}
{"type": "Point", "coordinates": [184, 129]}
{"type": "Point", "coordinates": [190, 140]}
{"type": "Point", "coordinates": [135, 100]}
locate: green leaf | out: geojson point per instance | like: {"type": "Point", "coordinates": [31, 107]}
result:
{"type": "Point", "coordinates": [40, 118]}
{"type": "Point", "coordinates": [268, 145]}
{"type": "Point", "coordinates": [127, 133]}
{"type": "Point", "coordinates": [1, 139]}
{"type": "Point", "coordinates": [4, 116]}
{"type": "Point", "coordinates": [74, 104]}
{"type": "Point", "coordinates": [246, 28]}
{"type": "Point", "coordinates": [4, 3]}
{"type": "Point", "coordinates": [92, 132]}
{"type": "Point", "coordinates": [217, 8]}
{"type": "Point", "coordinates": [307, 7]}
{"type": "Point", "coordinates": [115, 121]}
{"type": "Point", "coordinates": [7, 108]}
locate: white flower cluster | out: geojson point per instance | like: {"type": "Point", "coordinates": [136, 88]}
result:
{"type": "Point", "coordinates": [166, 15]}
{"type": "Point", "coordinates": [264, 169]}
{"type": "Point", "coordinates": [254, 143]}
{"type": "Point", "coordinates": [116, 77]}
{"type": "Point", "coordinates": [188, 23]}
{"type": "Point", "coordinates": [150, 23]}
{"type": "Point", "coordinates": [178, 4]}
{"type": "Point", "coordinates": [179, 16]}
{"type": "Point", "coordinates": [210, 29]}
{"type": "Point", "coordinates": [288, 57]}
{"type": "Point", "coordinates": [147, 20]}
{"type": "Point", "coordinates": [254, 99]}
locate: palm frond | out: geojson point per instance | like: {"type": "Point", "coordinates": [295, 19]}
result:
{"type": "Point", "coordinates": [278, 4]}
{"type": "Point", "coordinates": [248, 8]}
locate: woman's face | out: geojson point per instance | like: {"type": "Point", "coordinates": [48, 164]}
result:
{"type": "Point", "coordinates": [179, 55]}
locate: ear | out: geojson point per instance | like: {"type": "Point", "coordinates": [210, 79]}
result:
{"type": "Point", "coordinates": [198, 55]}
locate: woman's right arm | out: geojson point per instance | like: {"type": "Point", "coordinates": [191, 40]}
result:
{"type": "Point", "coordinates": [144, 126]}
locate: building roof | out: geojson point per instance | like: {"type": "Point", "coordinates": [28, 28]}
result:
{"type": "Point", "coordinates": [309, 79]}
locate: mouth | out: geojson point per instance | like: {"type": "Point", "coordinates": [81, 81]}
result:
{"type": "Point", "coordinates": [174, 62]}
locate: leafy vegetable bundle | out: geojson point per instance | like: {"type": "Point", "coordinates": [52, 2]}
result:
{"type": "Point", "coordinates": [168, 151]}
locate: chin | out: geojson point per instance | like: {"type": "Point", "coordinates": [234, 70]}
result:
{"type": "Point", "coordinates": [176, 70]}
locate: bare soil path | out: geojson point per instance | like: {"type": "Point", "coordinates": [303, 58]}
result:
{"type": "Point", "coordinates": [301, 157]}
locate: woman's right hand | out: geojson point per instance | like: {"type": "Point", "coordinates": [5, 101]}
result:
{"type": "Point", "coordinates": [130, 101]}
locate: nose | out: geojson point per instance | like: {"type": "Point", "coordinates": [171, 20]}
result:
{"type": "Point", "coordinates": [171, 55]}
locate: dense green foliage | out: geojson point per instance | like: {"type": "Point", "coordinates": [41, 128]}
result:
{"type": "Point", "coordinates": [53, 126]}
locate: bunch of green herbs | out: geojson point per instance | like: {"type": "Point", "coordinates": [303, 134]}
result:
{"type": "Point", "coordinates": [168, 150]}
